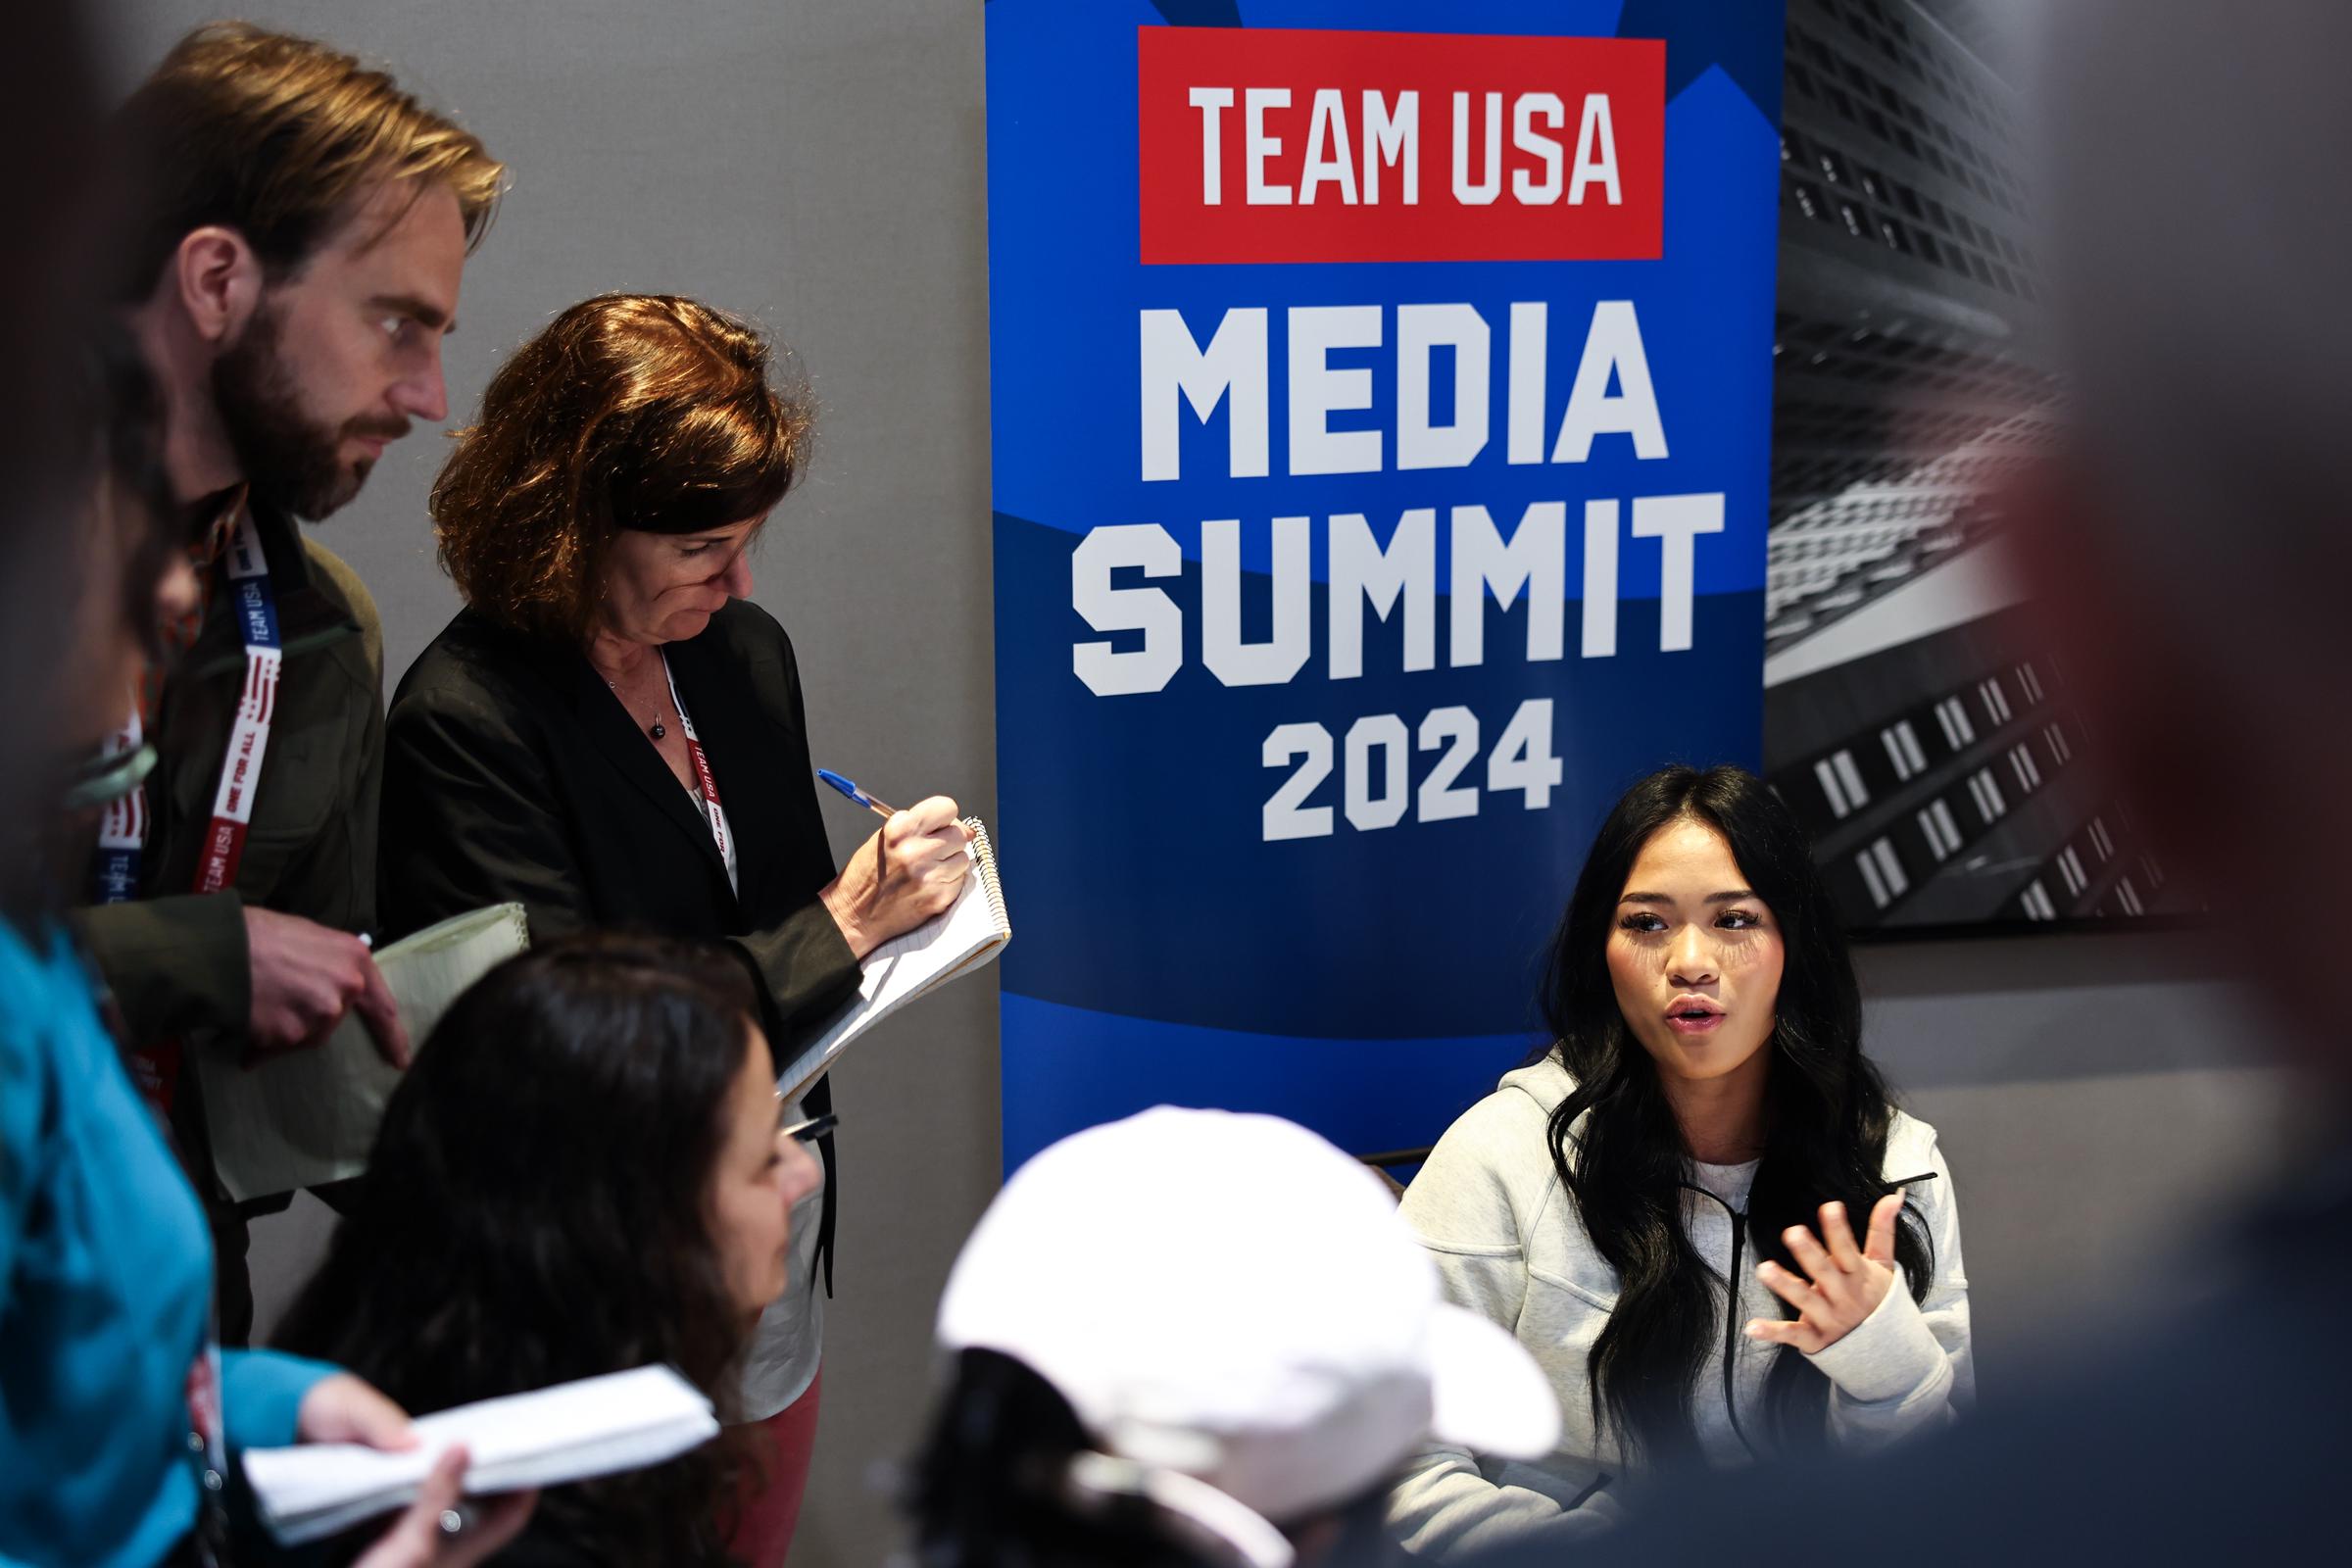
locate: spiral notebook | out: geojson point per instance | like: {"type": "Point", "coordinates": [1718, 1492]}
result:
{"type": "Point", "coordinates": [946, 946]}
{"type": "Point", "coordinates": [308, 1117]}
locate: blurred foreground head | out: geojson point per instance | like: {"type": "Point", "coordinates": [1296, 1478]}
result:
{"type": "Point", "coordinates": [2192, 552]}
{"type": "Point", "coordinates": [1193, 1337]}
{"type": "Point", "coordinates": [48, 119]}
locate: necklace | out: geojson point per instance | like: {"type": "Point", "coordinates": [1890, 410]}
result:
{"type": "Point", "coordinates": [657, 729]}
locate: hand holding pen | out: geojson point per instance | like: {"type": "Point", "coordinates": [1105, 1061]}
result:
{"type": "Point", "coordinates": [908, 873]}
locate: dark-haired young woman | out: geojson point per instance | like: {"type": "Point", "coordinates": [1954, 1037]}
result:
{"type": "Point", "coordinates": [583, 1174]}
{"type": "Point", "coordinates": [1705, 1114]}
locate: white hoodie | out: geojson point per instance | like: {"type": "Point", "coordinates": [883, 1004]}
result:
{"type": "Point", "coordinates": [1490, 1208]}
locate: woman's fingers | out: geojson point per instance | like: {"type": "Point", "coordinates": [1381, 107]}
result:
{"type": "Point", "coordinates": [945, 860]}
{"type": "Point", "coordinates": [1884, 1215]}
{"type": "Point", "coordinates": [421, 1537]}
{"type": "Point", "coordinates": [1809, 1253]}
{"type": "Point", "coordinates": [919, 859]}
{"type": "Point", "coordinates": [343, 1408]}
{"type": "Point", "coordinates": [1793, 1332]}
{"type": "Point", "coordinates": [907, 841]}
{"type": "Point", "coordinates": [1844, 1286]}
{"type": "Point", "coordinates": [945, 847]}
{"type": "Point", "coordinates": [415, 1539]}
{"type": "Point", "coordinates": [1796, 1291]}
{"type": "Point", "coordinates": [933, 814]}
{"type": "Point", "coordinates": [1839, 1233]}
{"type": "Point", "coordinates": [930, 857]}
{"type": "Point", "coordinates": [500, 1522]}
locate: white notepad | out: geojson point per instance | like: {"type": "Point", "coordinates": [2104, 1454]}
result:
{"type": "Point", "coordinates": [308, 1117]}
{"type": "Point", "coordinates": [971, 933]}
{"type": "Point", "coordinates": [594, 1427]}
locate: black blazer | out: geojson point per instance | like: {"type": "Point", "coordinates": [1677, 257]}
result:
{"type": "Point", "coordinates": [512, 773]}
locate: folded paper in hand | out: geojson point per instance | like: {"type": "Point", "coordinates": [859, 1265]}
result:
{"type": "Point", "coordinates": [308, 1117]}
{"type": "Point", "coordinates": [971, 933]}
{"type": "Point", "coordinates": [594, 1427]}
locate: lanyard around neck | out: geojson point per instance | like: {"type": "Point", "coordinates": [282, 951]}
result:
{"type": "Point", "coordinates": [715, 815]}
{"type": "Point", "coordinates": [124, 829]}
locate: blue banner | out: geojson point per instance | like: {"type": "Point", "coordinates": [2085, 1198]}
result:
{"type": "Point", "coordinates": [1344, 578]}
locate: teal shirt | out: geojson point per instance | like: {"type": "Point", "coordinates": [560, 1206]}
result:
{"type": "Point", "coordinates": [106, 1274]}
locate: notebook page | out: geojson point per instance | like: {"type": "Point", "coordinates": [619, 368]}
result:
{"type": "Point", "coordinates": [308, 1117]}
{"type": "Point", "coordinates": [967, 935]}
{"type": "Point", "coordinates": [903, 967]}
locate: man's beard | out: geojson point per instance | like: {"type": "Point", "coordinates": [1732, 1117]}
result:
{"type": "Point", "coordinates": [290, 462]}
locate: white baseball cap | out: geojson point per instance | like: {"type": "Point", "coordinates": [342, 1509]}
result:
{"type": "Point", "coordinates": [1231, 1299]}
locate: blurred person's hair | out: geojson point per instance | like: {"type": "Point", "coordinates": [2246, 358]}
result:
{"type": "Point", "coordinates": [114, 425]}
{"type": "Point", "coordinates": [1826, 1115]}
{"type": "Point", "coordinates": [535, 1210]}
{"type": "Point", "coordinates": [281, 139]}
{"type": "Point", "coordinates": [125, 419]}
{"type": "Point", "coordinates": [628, 411]}
{"type": "Point", "coordinates": [998, 1482]}
{"type": "Point", "coordinates": [49, 122]}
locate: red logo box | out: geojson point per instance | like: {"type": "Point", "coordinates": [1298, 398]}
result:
{"type": "Point", "coordinates": [1262, 144]}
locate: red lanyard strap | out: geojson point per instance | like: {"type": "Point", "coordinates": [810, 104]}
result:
{"type": "Point", "coordinates": [257, 707]}
{"type": "Point", "coordinates": [714, 814]}
{"type": "Point", "coordinates": [123, 832]}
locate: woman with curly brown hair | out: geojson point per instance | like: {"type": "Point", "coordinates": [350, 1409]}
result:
{"type": "Point", "coordinates": [612, 734]}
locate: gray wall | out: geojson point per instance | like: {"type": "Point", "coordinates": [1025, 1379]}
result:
{"type": "Point", "coordinates": [819, 165]}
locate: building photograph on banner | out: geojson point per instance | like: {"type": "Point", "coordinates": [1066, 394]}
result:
{"type": "Point", "coordinates": [1911, 719]}
{"type": "Point", "coordinates": [1382, 399]}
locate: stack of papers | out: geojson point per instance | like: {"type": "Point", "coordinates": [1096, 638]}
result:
{"type": "Point", "coordinates": [594, 1427]}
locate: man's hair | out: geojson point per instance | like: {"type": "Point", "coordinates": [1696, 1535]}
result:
{"type": "Point", "coordinates": [645, 412]}
{"type": "Point", "coordinates": [280, 138]}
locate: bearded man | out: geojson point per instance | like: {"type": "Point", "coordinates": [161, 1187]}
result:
{"type": "Point", "coordinates": [301, 227]}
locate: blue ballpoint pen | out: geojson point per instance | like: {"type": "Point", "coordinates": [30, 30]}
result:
{"type": "Point", "coordinates": [850, 788]}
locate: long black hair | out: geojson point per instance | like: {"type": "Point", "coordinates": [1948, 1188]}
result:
{"type": "Point", "coordinates": [992, 1489]}
{"type": "Point", "coordinates": [534, 1211]}
{"type": "Point", "coordinates": [1827, 1114]}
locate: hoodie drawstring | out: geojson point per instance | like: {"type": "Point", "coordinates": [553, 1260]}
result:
{"type": "Point", "coordinates": [1731, 1315]}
